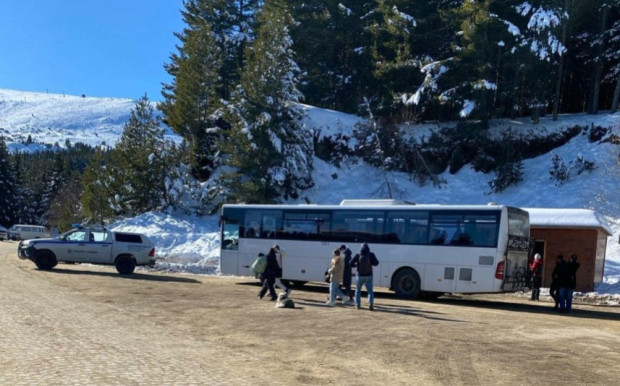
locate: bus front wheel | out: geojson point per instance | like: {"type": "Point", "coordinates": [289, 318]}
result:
{"type": "Point", "coordinates": [406, 284]}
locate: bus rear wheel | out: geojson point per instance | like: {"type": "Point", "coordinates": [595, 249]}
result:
{"type": "Point", "coordinates": [406, 284]}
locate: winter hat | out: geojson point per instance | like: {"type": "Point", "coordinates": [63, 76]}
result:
{"type": "Point", "coordinates": [365, 248]}
{"type": "Point", "coordinates": [537, 256]}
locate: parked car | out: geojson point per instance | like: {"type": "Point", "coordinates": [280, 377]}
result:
{"type": "Point", "coordinates": [27, 232]}
{"type": "Point", "coordinates": [95, 246]}
{"type": "Point", "coordinates": [4, 233]}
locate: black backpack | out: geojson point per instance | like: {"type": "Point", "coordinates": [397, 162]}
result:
{"type": "Point", "coordinates": [365, 265]}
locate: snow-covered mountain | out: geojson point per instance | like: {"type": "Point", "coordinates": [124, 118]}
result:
{"type": "Point", "coordinates": [50, 119]}
{"type": "Point", "coordinates": [191, 244]}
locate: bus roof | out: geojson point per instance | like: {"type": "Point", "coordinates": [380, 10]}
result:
{"type": "Point", "coordinates": [369, 204]}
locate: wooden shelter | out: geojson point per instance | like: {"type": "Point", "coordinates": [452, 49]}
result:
{"type": "Point", "coordinates": [581, 232]}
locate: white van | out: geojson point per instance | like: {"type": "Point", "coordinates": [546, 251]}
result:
{"type": "Point", "coordinates": [28, 232]}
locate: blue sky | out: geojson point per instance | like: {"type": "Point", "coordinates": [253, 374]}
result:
{"type": "Point", "coordinates": [109, 48]}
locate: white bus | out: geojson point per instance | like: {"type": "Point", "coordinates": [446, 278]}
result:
{"type": "Point", "coordinates": [423, 250]}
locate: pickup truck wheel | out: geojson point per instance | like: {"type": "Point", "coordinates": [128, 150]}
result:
{"type": "Point", "coordinates": [45, 260]}
{"type": "Point", "coordinates": [125, 265]}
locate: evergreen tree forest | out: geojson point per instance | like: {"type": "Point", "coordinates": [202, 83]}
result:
{"type": "Point", "coordinates": [242, 67]}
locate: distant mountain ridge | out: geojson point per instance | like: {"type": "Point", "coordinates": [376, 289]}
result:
{"type": "Point", "coordinates": [50, 119]}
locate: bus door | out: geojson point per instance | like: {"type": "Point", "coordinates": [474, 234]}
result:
{"type": "Point", "coordinates": [245, 259]}
{"type": "Point", "coordinates": [229, 248]}
{"type": "Point", "coordinates": [515, 273]}
{"type": "Point", "coordinates": [517, 248]}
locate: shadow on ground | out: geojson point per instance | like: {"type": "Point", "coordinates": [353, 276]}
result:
{"type": "Point", "coordinates": [133, 276]}
{"type": "Point", "coordinates": [457, 300]}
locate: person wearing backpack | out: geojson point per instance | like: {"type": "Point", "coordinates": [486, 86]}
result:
{"type": "Point", "coordinates": [364, 261]}
{"type": "Point", "coordinates": [537, 271]}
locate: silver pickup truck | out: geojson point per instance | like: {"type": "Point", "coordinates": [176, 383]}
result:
{"type": "Point", "coordinates": [94, 246]}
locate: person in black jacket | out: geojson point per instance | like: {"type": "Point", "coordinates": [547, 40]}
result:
{"type": "Point", "coordinates": [346, 279]}
{"type": "Point", "coordinates": [554, 288]}
{"type": "Point", "coordinates": [364, 261]}
{"type": "Point", "coordinates": [568, 283]}
{"type": "Point", "coordinates": [269, 276]}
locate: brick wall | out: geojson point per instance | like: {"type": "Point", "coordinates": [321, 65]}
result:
{"type": "Point", "coordinates": [558, 241]}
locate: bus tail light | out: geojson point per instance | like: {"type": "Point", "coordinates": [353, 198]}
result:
{"type": "Point", "coordinates": [499, 272]}
{"type": "Point", "coordinates": [152, 253]}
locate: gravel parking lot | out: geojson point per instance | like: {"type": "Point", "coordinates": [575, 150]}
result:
{"type": "Point", "coordinates": [83, 324]}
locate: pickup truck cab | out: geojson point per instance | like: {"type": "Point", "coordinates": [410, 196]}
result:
{"type": "Point", "coordinates": [94, 246]}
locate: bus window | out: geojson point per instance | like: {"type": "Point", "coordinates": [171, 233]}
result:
{"type": "Point", "coordinates": [518, 223]}
{"type": "Point", "coordinates": [272, 222]}
{"type": "Point", "coordinates": [262, 223]}
{"type": "Point", "coordinates": [305, 226]}
{"type": "Point", "coordinates": [359, 226]}
{"type": "Point", "coordinates": [482, 229]}
{"type": "Point", "coordinates": [230, 236]}
{"type": "Point", "coordinates": [445, 229]}
{"type": "Point", "coordinates": [478, 230]}
{"type": "Point", "coordinates": [407, 227]}
{"type": "Point", "coordinates": [232, 221]}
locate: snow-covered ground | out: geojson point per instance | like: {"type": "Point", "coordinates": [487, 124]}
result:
{"type": "Point", "coordinates": [191, 244]}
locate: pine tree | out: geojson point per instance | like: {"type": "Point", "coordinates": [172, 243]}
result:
{"type": "Point", "coordinates": [8, 187]}
{"type": "Point", "coordinates": [495, 45]}
{"type": "Point", "coordinates": [268, 148]}
{"type": "Point", "coordinates": [205, 71]}
{"type": "Point", "coordinates": [333, 50]}
{"type": "Point", "coordinates": [65, 208]}
{"type": "Point", "coordinates": [138, 162]}
{"type": "Point", "coordinates": [98, 196]}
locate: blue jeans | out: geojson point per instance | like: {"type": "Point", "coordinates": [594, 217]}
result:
{"type": "Point", "coordinates": [566, 298]}
{"type": "Point", "coordinates": [334, 290]}
{"type": "Point", "coordinates": [367, 281]}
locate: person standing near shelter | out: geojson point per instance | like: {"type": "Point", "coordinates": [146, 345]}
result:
{"type": "Point", "coordinates": [568, 284]}
{"type": "Point", "coordinates": [364, 261]}
{"type": "Point", "coordinates": [537, 270]}
{"type": "Point", "coordinates": [345, 254]}
{"type": "Point", "coordinates": [554, 289]}
{"type": "Point", "coordinates": [269, 276]}
{"type": "Point", "coordinates": [336, 271]}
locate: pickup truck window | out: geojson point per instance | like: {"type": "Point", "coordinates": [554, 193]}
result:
{"type": "Point", "coordinates": [77, 236]}
{"type": "Point", "coordinates": [99, 236]}
{"type": "Point", "coordinates": [128, 238]}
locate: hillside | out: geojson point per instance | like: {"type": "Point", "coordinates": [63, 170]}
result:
{"type": "Point", "coordinates": [191, 244]}
{"type": "Point", "coordinates": [50, 119]}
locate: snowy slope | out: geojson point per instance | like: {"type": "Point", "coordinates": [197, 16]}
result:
{"type": "Point", "coordinates": [54, 118]}
{"type": "Point", "coordinates": [191, 244]}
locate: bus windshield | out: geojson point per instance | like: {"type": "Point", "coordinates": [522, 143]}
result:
{"type": "Point", "coordinates": [518, 223]}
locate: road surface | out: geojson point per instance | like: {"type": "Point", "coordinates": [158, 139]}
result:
{"type": "Point", "coordinates": [85, 325]}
